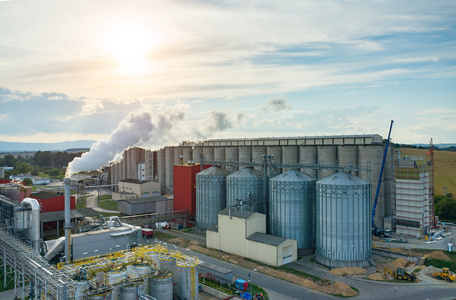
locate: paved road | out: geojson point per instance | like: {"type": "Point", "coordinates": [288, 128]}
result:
{"type": "Point", "coordinates": [91, 201]}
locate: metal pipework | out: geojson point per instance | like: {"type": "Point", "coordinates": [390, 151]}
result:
{"type": "Point", "coordinates": [67, 220]}
{"type": "Point", "coordinates": [34, 224]}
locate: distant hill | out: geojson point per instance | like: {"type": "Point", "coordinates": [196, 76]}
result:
{"type": "Point", "coordinates": [441, 146]}
{"type": "Point", "coordinates": [62, 146]}
{"type": "Point", "coordinates": [445, 164]}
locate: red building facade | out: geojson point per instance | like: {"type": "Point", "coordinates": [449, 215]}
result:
{"type": "Point", "coordinates": [52, 201]}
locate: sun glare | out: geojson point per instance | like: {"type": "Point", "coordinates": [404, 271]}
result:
{"type": "Point", "coordinates": [129, 43]}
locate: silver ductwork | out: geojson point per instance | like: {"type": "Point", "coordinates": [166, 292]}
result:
{"type": "Point", "coordinates": [30, 221]}
{"type": "Point", "coordinates": [67, 219]}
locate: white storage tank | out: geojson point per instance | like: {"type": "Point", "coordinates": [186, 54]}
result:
{"type": "Point", "coordinates": [132, 291]}
{"type": "Point", "coordinates": [187, 279]}
{"type": "Point", "coordinates": [343, 221]}
{"type": "Point", "coordinates": [161, 285]}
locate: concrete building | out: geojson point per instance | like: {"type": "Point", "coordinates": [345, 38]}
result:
{"type": "Point", "coordinates": [414, 198]}
{"type": "Point", "coordinates": [244, 233]}
{"type": "Point", "coordinates": [134, 188]}
{"type": "Point", "coordinates": [136, 206]}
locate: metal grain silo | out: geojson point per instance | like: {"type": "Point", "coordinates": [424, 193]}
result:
{"type": "Point", "coordinates": [343, 221]}
{"type": "Point", "coordinates": [210, 195]}
{"type": "Point", "coordinates": [291, 208]}
{"type": "Point", "coordinates": [242, 183]}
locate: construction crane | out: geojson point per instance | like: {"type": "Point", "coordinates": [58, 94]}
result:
{"type": "Point", "coordinates": [374, 207]}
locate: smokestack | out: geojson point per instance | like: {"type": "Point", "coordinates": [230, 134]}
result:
{"type": "Point", "coordinates": [67, 219]}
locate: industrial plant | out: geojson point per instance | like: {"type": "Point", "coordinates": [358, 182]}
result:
{"type": "Point", "coordinates": [267, 199]}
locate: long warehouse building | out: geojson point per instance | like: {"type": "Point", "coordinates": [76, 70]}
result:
{"type": "Point", "coordinates": [321, 156]}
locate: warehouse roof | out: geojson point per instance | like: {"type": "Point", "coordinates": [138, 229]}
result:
{"type": "Point", "coordinates": [45, 195]}
{"type": "Point", "coordinates": [74, 213]}
{"type": "Point", "coordinates": [266, 239]}
{"type": "Point", "coordinates": [244, 214]}
{"type": "Point", "coordinates": [145, 199]}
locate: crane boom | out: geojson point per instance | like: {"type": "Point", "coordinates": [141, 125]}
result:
{"type": "Point", "coordinates": [374, 207]}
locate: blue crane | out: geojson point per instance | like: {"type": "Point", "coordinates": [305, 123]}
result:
{"type": "Point", "coordinates": [374, 207]}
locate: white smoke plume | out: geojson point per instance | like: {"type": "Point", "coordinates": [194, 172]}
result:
{"type": "Point", "coordinates": [140, 129]}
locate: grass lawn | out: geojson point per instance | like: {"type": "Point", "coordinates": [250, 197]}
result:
{"type": "Point", "coordinates": [108, 204]}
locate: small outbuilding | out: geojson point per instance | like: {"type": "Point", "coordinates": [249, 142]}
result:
{"type": "Point", "coordinates": [136, 206]}
{"type": "Point", "coordinates": [244, 233]}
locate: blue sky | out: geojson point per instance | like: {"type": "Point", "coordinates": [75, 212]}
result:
{"type": "Point", "coordinates": [227, 69]}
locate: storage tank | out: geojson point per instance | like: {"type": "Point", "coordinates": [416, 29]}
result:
{"type": "Point", "coordinates": [245, 155]}
{"type": "Point", "coordinates": [257, 156]}
{"type": "Point", "coordinates": [132, 290]}
{"type": "Point", "coordinates": [210, 196]}
{"type": "Point", "coordinates": [167, 262]}
{"type": "Point", "coordinates": [290, 155]}
{"type": "Point", "coordinates": [161, 169]}
{"type": "Point", "coordinates": [347, 156]}
{"type": "Point", "coordinates": [219, 153]}
{"type": "Point", "coordinates": [143, 271]}
{"type": "Point", "coordinates": [372, 156]}
{"type": "Point", "coordinates": [308, 156]}
{"type": "Point", "coordinates": [116, 276]}
{"type": "Point", "coordinates": [208, 153]}
{"type": "Point", "coordinates": [187, 154]}
{"type": "Point", "coordinates": [155, 256]}
{"type": "Point", "coordinates": [327, 156]}
{"type": "Point", "coordinates": [242, 183]}
{"type": "Point", "coordinates": [161, 285]}
{"type": "Point", "coordinates": [277, 152]}
{"type": "Point", "coordinates": [343, 223]}
{"type": "Point", "coordinates": [197, 151]}
{"type": "Point", "coordinates": [232, 154]}
{"type": "Point", "coordinates": [169, 170]}
{"type": "Point", "coordinates": [187, 279]}
{"type": "Point", "coordinates": [291, 208]}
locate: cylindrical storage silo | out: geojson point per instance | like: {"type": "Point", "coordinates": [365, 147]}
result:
{"type": "Point", "coordinates": [116, 276]}
{"type": "Point", "coordinates": [169, 170]}
{"type": "Point", "coordinates": [161, 285]}
{"type": "Point", "coordinates": [232, 154]}
{"type": "Point", "coordinates": [132, 290]}
{"type": "Point", "coordinates": [187, 280]}
{"type": "Point", "coordinates": [208, 153]}
{"type": "Point", "coordinates": [187, 155]}
{"type": "Point", "coordinates": [308, 157]}
{"type": "Point", "coordinates": [343, 221]}
{"type": "Point", "coordinates": [245, 155]}
{"type": "Point", "coordinates": [127, 158]}
{"type": "Point", "coordinates": [347, 156]}
{"type": "Point", "coordinates": [135, 157]}
{"type": "Point", "coordinates": [219, 153]}
{"type": "Point", "coordinates": [371, 156]}
{"type": "Point", "coordinates": [178, 152]}
{"type": "Point", "coordinates": [291, 208]}
{"type": "Point", "coordinates": [246, 185]}
{"type": "Point", "coordinates": [197, 152]}
{"type": "Point", "coordinates": [327, 157]}
{"type": "Point", "coordinates": [276, 151]}
{"type": "Point", "coordinates": [257, 156]}
{"type": "Point", "coordinates": [210, 196]}
{"type": "Point", "coordinates": [155, 257]}
{"type": "Point", "coordinates": [161, 169]}
{"type": "Point", "coordinates": [167, 262]}
{"type": "Point", "coordinates": [290, 155]}
{"type": "Point", "coordinates": [104, 294]}
{"type": "Point", "coordinates": [143, 271]}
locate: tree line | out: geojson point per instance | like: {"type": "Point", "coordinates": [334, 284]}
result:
{"type": "Point", "coordinates": [44, 163]}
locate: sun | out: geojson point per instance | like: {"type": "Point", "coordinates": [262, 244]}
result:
{"type": "Point", "coordinates": [129, 44]}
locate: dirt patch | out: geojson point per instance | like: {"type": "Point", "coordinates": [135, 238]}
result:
{"type": "Point", "coordinates": [347, 271]}
{"type": "Point", "coordinates": [377, 277]}
{"type": "Point", "coordinates": [181, 242]}
{"type": "Point", "coordinates": [438, 255]}
{"type": "Point", "coordinates": [344, 289]}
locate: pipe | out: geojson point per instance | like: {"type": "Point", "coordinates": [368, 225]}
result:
{"type": "Point", "coordinates": [34, 221]}
{"type": "Point", "coordinates": [67, 219]}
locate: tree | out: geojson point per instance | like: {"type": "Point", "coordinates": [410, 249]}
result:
{"type": "Point", "coordinates": [445, 207]}
{"type": "Point", "coordinates": [22, 168]}
{"type": "Point", "coordinates": [9, 160]}
{"type": "Point", "coordinates": [28, 181]}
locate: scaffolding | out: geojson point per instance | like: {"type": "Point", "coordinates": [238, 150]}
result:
{"type": "Point", "coordinates": [414, 195]}
{"type": "Point", "coordinates": [31, 273]}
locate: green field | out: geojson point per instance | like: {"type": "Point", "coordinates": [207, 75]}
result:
{"type": "Point", "coordinates": [444, 171]}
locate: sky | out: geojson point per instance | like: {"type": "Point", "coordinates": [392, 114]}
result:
{"type": "Point", "coordinates": [196, 70]}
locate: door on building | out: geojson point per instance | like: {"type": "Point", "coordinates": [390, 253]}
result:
{"type": "Point", "coordinates": [287, 255]}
